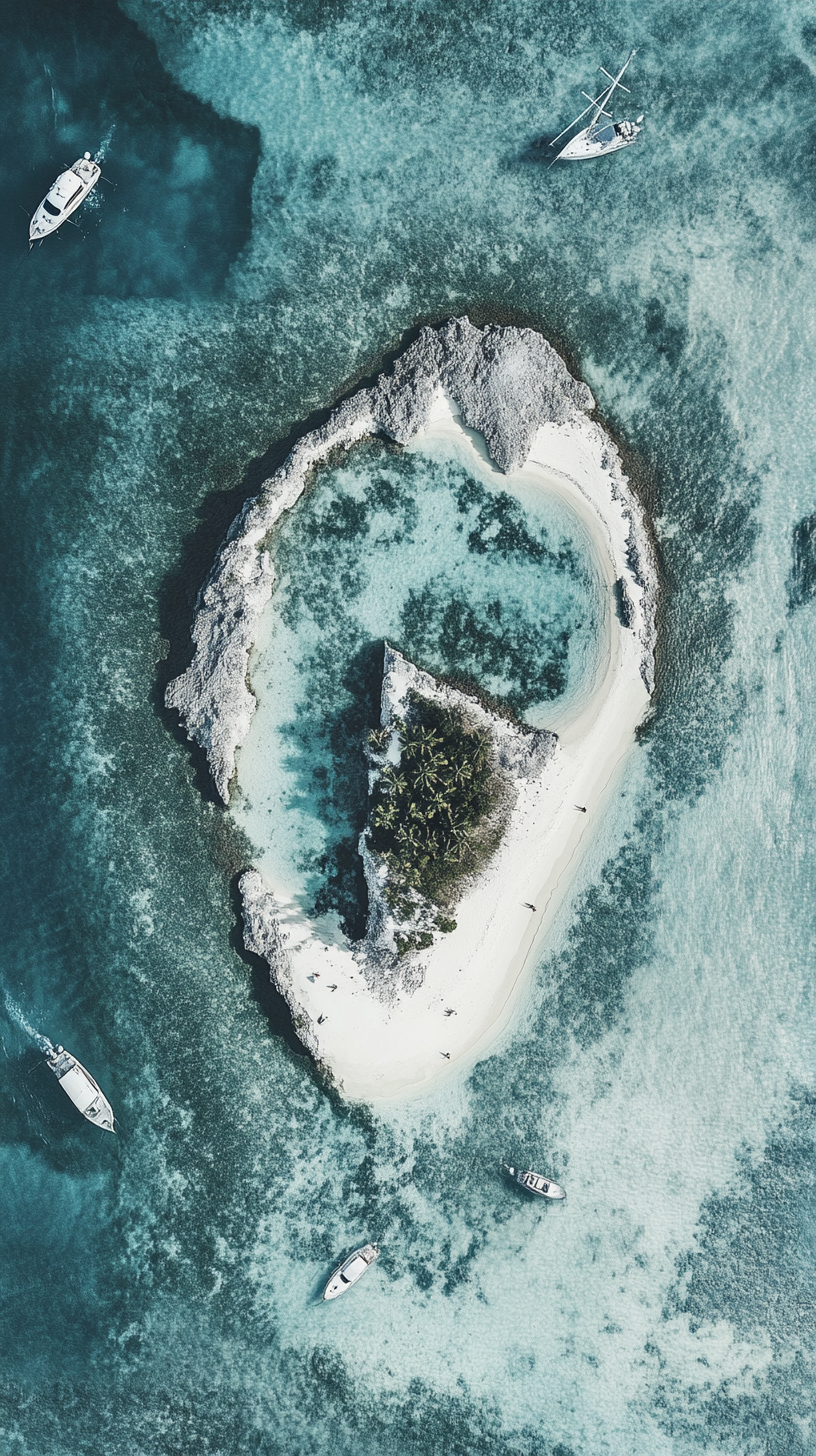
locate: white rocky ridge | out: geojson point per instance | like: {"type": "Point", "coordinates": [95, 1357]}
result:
{"type": "Point", "coordinates": [506, 383]}
{"type": "Point", "coordinates": [378, 1030]}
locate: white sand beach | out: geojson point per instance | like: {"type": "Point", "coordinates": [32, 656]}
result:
{"type": "Point", "coordinates": [375, 1049]}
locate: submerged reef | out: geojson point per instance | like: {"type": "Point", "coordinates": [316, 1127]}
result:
{"type": "Point", "coordinates": [505, 382]}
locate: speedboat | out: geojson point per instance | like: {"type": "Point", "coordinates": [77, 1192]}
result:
{"type": "Point", "coordinates": [536, 1183]}
{"type": "Point", "coordinates": [603, 135]}
{"type": "Point", "coordinates": [80, 1086]}
{"type": "Point", "coordinates": [351, 1269]}
{"type": "Point", "coordinates": [70, 189]}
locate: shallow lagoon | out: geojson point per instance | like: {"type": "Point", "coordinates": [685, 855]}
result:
{"type": "Point", "coordinates": [386, 169]}
{"type": "Point", "coordinates": [495, 587]}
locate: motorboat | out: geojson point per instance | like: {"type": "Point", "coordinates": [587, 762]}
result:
{"type": "Point", "coordinates": [68, 192]}
{"type": "Point", "coordinates": [352, 1268]}
{"type": "Point", "coordinates": [603, 135]}
{"type": "Point", "coordinates": [536, 1183]}
{"type": "Point", "coordinates": [79, 1085]}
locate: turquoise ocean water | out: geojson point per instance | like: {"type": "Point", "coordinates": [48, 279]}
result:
{"type": "Point", "coordinates": [294, 188]}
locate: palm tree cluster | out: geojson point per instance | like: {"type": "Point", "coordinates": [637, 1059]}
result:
{"type": "Point", "coordinates": [428, 810]}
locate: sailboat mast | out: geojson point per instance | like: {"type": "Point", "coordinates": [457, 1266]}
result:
{"type": "Point", "coordinates": [607, 95]}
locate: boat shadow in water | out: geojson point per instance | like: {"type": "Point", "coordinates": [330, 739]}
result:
{"type": "Point", "coordinates": [539, 149]}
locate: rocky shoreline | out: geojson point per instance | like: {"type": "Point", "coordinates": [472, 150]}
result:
{"type": "Point", "coordinates": [505, 382]}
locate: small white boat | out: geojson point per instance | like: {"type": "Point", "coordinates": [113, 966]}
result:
{"type": "Point", "coordinates": [351, 1269]}
{"type": "Point", "coordinates": [80, 1086]}
{"type": "Point", "coordinates": [603, 135]}
{"type": "Point", "coordinates": [536, 1183]}
{"type": "Point", "coordinates": [70, 189]}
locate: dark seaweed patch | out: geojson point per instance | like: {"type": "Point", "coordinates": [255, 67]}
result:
{"type": "Point", "coordinates": [501, 526]}
{"type": "Point", "coordinates": [752, 1265]}
{"type": "Point", "coordinates": [802, 580]}
{"type": "Point", "coordinates": [524, 663]}
{"type": "Point", "coordinates": [698, 479]}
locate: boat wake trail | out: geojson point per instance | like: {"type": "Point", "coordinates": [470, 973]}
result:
{"type": "Point", "coordinates": [17, 1016]}
{"type": "Point", "coordinates": [99, 156]}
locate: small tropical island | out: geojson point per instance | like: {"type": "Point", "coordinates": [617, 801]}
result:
{"type": "Point", "coordinates": [476, 823]}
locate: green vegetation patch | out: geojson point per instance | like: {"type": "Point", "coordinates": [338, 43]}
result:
{"type": "Point", "coordinates": [438, 816]}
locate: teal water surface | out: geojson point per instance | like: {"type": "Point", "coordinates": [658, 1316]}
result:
{"type": "Point", "coordinates": [293, 188]}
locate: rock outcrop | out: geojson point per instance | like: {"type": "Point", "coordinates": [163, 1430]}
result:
{"type": "Point", "coordinates": [264, 937]}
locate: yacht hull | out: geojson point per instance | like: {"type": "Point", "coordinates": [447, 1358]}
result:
{"type": "Point", "coordinates": [352, 1268]}
{"type": "Point", "coordinates": [64, 197]}
{"type": "Point", "coordinates": [78, 1084]}
{"type": "Point", "coordinates": [537, 1184]}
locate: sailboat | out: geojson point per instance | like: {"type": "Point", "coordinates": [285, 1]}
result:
{"type": "Point", "coordinates": [79, 1085]}
{"type": "Point", "coordinates": [603, 135]}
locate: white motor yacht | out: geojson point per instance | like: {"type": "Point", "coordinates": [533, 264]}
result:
{"type": "Point", "coordinates": [70, 189]}
{"type": "Point", "coordinates": [603, 135]}
{"type": "Point", "coordinates": [351, 1269]}
{"type": "Point", "coordinates": [80, 1086]}
{"type": "Point", "coordinates": [536, 1183]}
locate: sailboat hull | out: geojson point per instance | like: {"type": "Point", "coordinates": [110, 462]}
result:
{"type": "Point", "coordinates": [603, 134]}
{"type": "Point", "coordinates": [585, 145]}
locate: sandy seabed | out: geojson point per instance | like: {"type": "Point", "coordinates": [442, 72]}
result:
{"type": "Point", "coordinates": [379, 1049]}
